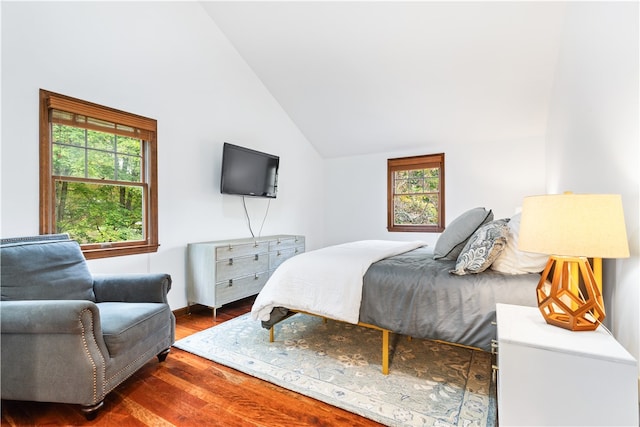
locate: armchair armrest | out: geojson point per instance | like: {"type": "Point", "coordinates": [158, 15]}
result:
{"type": "Point", "coordinates": [151, 287]}
{"type": "Point", "coordinates": [49, 317]}
{"type": "Point", "coordinates": [49, 348]}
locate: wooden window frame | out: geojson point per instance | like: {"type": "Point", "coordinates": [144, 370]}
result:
{"type": "Point", "coordinates": [409, 163]}
{"type": "Point", "coordinates": [50, 100]}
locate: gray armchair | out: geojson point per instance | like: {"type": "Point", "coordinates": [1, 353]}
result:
{"type": "Point", "coordinates": [69, 336]}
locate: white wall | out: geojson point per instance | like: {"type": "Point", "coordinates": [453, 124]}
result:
{"type": "Point", "coordinates": [495, 175]}
{"type": "Point", "coordinates": [168, 61]}
{"type": "Point", "coordinates": [593, 140]}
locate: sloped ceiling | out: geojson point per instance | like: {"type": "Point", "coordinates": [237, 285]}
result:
{"type": "Point", "coordinates": [364, 77]}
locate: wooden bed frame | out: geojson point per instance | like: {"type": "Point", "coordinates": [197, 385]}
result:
{"type": "Point", "coordinates": [385, 335]}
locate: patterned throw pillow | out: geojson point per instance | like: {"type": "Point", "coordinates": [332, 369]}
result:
{"type": "Point", "coordinates": [483, 248]}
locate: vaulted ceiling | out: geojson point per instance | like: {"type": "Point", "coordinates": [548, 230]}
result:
{"type": "Point", "coordinates": [364, 77]}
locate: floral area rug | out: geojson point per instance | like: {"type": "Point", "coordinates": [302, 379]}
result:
{"type": "Point", "coordinates": [429, 383]}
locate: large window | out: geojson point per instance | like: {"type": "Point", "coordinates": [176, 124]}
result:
{"type": "Point", "coordinates": [415, 193]}
{"type": "Point", "coordinates": [98, 176]}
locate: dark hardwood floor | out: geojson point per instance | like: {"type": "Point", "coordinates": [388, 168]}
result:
{"type": "Point", "coordinates": [187, 390]}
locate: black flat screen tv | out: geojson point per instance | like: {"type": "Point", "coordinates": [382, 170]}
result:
{"type": "Point", "coordinates": [248, 172]}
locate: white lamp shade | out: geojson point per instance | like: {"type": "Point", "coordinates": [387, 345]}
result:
{"type": "Point", "coordinates": [588, 225]}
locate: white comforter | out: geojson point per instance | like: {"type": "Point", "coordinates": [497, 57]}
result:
{"type": "Point", "coordinates": [327, 281]}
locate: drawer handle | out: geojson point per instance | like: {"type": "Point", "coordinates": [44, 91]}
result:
{"type": "Point", "coordinates": [255, 276]}
{"type": "Point", "coordinates": [230, 247]}
{"type": "Point", "coordinates": [256, 257]}
{"type": "Point", "coordinates": [230, 282]}
{"type": "Point", "coordinates": [230, 261]}
{"type": "Point", "coordinates": [297, 250]}
{"type": "Point", "coordinates": [279, 253]}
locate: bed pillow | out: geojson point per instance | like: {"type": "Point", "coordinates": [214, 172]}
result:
{"type": "Point", "coordinates": [483, 248]}
{"type": "Point", "coordinates": [456, 235]}
{"type": "Point", "coordinates": [514, 261]}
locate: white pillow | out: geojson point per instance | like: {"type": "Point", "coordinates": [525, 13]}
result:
{"type": "Point", "coordinates": [514, 261]}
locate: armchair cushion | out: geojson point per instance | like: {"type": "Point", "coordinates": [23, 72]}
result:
{"type": "Point", "coordinates": [51, 270]}
{"type": "Point", "coordinates": [124, 324]}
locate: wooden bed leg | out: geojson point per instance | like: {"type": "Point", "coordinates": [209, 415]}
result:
{"type": "Point", "coordinates": [271, 334]}
{"type": "Point", "coordinates": [385, 352]}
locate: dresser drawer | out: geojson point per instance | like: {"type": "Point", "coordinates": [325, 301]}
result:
{"type": "Point", "coordinates": [286, 243]}
{"type": "Point", "coordinates": [279, 256]}
{"type": "Point", "coordinates": [241, 266]}
{"type": "Point", "coordinates": [238, 250]}
{"type": "Point", "coordinates": [235, 289]}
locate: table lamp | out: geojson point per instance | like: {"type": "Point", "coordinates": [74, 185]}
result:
{"type": "Point", "coordinates": [571, 228]}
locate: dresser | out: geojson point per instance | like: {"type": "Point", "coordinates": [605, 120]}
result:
{"type": "Point", "coordinates": [550, 376]}
{"type": "Point", "coordinates": [223, 271]}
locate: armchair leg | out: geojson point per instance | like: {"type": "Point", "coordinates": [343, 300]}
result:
{"type": "Point", "coordinates": [163, 354]}
{"type": "Point", "coordinates": [91, 411]}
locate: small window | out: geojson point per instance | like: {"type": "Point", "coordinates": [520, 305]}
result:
{"type": "Point", "coordinates": [415, 193]}
{"type": "Point", "coordinates": [98, 176]}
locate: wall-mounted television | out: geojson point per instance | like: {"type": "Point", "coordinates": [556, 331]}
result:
{"type": "Point", "coordinates": [248, 172]}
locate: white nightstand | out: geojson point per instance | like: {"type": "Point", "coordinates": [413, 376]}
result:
{"type": "Point", "coordinates": [549, 376]}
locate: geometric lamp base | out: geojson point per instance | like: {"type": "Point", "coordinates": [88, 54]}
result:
{"type": "Point", "coordinates": [563, 302]}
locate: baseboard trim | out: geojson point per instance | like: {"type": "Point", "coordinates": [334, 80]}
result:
{"type": "Point", "coordinates": [190, 309]}
{"type": "Point", "coordinates": [181, 311]}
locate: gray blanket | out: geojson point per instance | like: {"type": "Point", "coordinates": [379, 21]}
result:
{"type": "Point", "coordinates": [415, 295]}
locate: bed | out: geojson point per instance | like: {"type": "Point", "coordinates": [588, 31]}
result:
{"type": "Point", "coordinates": [405, 288]}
